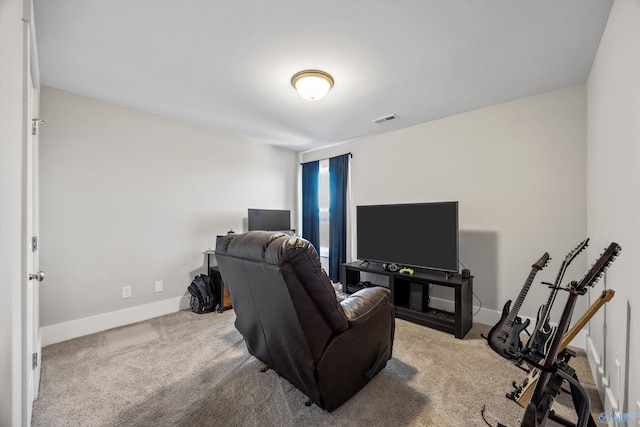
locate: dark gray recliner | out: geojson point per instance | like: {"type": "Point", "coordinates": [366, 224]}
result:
{"type": "Point", "coordinates": [291, 319]}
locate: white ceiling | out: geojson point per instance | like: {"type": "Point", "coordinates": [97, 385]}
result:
{"type": "Point", "coordinates": [227, 64]}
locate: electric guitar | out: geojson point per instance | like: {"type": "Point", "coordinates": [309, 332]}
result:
{"type": "Point", "coordinates": [523, 393]}
{"type": "Point", "coordinates": [538, 344]}
{"type": "Point", "coordinates": [547, 386]}
{"type": "Point", "coordinates": [504, 337]}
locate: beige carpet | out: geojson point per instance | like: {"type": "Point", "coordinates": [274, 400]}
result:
{"type": "Point", "coordinates": [186, 369]}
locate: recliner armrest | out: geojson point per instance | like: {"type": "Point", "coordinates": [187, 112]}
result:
{"type": "Point", "coordinates": [362, 305]}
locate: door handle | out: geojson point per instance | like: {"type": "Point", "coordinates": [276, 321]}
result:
{"type": "Point", "coordinates": [39, 276]}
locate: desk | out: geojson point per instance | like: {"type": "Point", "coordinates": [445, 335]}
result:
{"type": "Point", "coordinates": [224, 302]}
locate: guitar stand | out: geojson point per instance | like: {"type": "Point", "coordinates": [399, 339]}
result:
{"type": "Point", "coordinates": [518, 389]}
{"type": "Point", "coordinates": [563, 372]}
{"type": "Point", "coordinates": [518, 364]}
{"type": "Point", "coordinates": [580, 401]}
{"type": "Point", "coordinates": [523, 357]}
{"type": "Point", "coordinates": [552, 286]}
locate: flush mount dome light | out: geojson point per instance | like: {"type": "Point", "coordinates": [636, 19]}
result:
{"type": "Point", "coordinates": [312, 84]}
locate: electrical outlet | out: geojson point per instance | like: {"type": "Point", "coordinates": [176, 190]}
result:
{"type": "Point", "coordinates": [159, 286]}
{"type": "Point", "coordinates": [126, 292]}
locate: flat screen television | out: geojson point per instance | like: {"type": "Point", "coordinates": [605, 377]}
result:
{"type": "Point", "coordinates": [269, 220]}
{"type": "Point", "coordinates": [422, 235]}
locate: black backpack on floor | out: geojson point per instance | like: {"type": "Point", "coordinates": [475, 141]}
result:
{"type": "Point", "coordinates": [203, 299]}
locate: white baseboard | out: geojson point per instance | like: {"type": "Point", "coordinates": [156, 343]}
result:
{"type": "Point", "coordinates": [89, 325]}
{"type": "Point", "coordinates": [480, 315]}
{"type": "Point", "coordinates": [490, 317]}
{"type": "Point", "coordinates": [485, 316]}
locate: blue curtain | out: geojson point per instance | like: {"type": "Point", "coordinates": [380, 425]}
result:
{"type": "Point", "coordinates": [310, 207]}
{"type": "Point", "coordinates": [338, 174]}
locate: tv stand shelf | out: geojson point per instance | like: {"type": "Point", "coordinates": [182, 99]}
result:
{"type": "Point", "coordinates": [457, 323]}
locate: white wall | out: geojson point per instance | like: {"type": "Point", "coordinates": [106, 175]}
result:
{"type": "Point", "coordinates": [130, 198]}
{"type": "Point", "coordinates": [613, 205]}
{"type": "Point", "coordinates": [518, 172]}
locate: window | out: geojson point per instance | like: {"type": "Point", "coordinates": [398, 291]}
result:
{"type": "Point", "coordinates": [323, 203]}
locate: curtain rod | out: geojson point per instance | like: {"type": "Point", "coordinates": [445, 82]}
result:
{"type": "Point", "coordinates": [317, 160]}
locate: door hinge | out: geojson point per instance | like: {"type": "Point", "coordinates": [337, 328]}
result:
{"type": "Point", "coordinates": [34, 125]}
{"type": "Point", "coordinates": [34, 360]}
{"type": "Point", "coordinates": [34, 243]}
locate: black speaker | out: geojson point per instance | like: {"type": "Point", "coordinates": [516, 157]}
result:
{"type": "Point", "coordinates": [418, 297]}
{"type": "Point", "coordinates": [466, 273]}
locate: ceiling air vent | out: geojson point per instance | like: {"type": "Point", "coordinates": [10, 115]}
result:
{"type": "Point", "coordinates": [385, 119]}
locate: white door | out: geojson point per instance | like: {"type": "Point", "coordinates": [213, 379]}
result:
{"type": "Point", "coordinates": [31, 342]}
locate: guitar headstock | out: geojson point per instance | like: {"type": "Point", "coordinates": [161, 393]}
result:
{"type": "Point", "coordinates": [542, 262]}
{"type": "Point", "coordinates": [574, 253]}
{"type": "Point", "coordinates": [607, 295]}
{"type": "Point", "coordinates": [596, 271]}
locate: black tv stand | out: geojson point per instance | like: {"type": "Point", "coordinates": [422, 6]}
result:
{"type": "Point", "coordinates": [457, 323]}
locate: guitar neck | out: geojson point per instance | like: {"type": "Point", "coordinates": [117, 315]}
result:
{"type": "Point", "coordinates": [552, 296]}
{"type": "Point", "coordinates": [571, 333]}
{"type": "Point", "coordinates": [556, 285]}
{"type": "Point", "coordinates": [523, 293]}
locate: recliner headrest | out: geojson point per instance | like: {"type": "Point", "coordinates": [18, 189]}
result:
{"type": "Point", "coordinates": [251, 245]}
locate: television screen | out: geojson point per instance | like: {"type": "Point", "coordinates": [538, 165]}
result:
{"type": "Point", "coordinates": [269, 220]}
{"type": "Point", "coordinates": [423, 235]}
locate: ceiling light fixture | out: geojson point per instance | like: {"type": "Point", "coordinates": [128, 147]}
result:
{"type": "Point", "coordinates": [312, 84]}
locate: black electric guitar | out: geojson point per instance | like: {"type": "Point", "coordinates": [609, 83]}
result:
{"type": "Point", "coordinates": [538, 344]}
{"type": "Point", "coordinates": [504, 337]}
{"type": "Point", "coordinates": [548, 384]}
